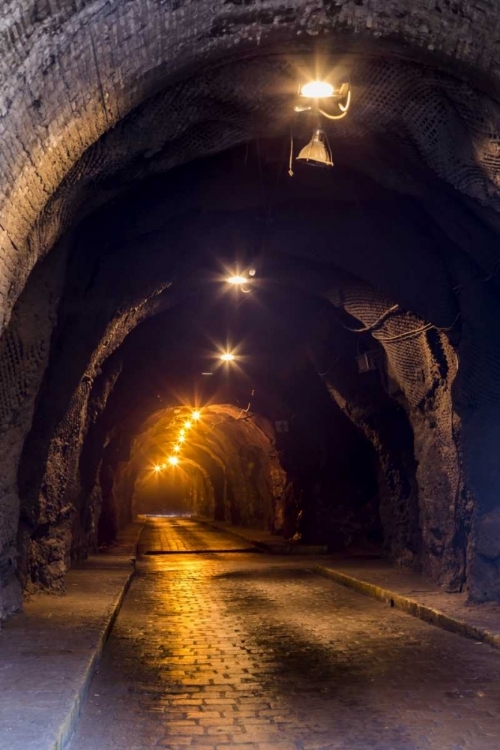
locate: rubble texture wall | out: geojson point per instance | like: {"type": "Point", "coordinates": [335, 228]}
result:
{"type": "Point", "coordinates": [104, 223]}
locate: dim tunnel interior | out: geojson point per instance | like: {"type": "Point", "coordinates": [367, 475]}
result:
{"type": "Point", "coordinates": [362, 409]}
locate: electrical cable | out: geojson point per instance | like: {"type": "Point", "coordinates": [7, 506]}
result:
{"type": "Point", "coordinates": [406, 334]}
{"type": "Point", "coordinates": [343, 107]}
{"type": "Point", "coordinates": [375, 324]}
{"type": "Point", "coordinates": [290, 162]}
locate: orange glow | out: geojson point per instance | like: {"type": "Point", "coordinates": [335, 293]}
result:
{"type": "Point", "coordinates": [157, 468]}
{"type": "Point", "coordinates": [188, 424]}
{"type": "Point", "coordinates": [181, 438]}
{"type": "Point", "coordinates": [177, 448]}
{"type": "Point", "coordinates": [173, 460]}
{"type": "Point", "coordinates": [196, 415]}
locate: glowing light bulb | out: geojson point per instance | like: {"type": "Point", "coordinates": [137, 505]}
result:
{"type": "Point", "coordinates": [182, 433]}
{"type": "Point", "coordinates": [157, 468]}
{"type": "Point", "coordinates": [317, 90]}
{"type": "Point", "coordinates": [181, 438]}
{"type": "Point", "coordinates": [227, 357]}
{"type": "Point", "coordinates": [173, 460]}
{"type": "Point", "coordinates": [196, 415]}
{"type": "Point", "coordinates": [236, 279]}
{"type": "Point", "coordinates": [188, 424]}
{"type": "Point", "coordinates": [176, 448]}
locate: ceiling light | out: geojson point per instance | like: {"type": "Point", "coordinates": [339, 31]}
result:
{"type": "Point", "coordinates": [196, 415]}
{"type": "Point", "coordinates": [317, 90]}
{"type": "Point", "coordinates": [173, 460]}
{"type": "Point", "coordinates": [317, 152]}
{"type": "Point", "coordinates": [237, 279]}
{"type": "Point", "coordinates": [227, 357]}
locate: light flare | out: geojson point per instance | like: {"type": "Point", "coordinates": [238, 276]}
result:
{"type": "Point", "coordinates": [317, 90]}
{"type": "Point", "coordinates": [237, 279]}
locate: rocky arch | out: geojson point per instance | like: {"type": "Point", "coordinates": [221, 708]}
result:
{"type": "Point", "coordinates": [97, 183]}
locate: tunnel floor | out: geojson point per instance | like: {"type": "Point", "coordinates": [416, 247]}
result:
{"type": "Point", "coordinates": [231, 649]}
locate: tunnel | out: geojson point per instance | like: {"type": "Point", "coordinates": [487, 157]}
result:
{"type": "Point", "coordinates": [204, 317]}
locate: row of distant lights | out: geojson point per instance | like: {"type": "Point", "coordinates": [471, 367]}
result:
{"type": "Point", "coordinates": [173, 460]}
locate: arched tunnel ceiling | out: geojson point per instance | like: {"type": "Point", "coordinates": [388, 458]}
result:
{"type": "Point", "coordinates": [422, 110]}
{"type": "Point", "coordinates": [233, 450]}
{"type": "Point", "coordinates": [144, 149]}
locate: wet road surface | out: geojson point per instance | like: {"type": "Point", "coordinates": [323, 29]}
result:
{"type": "Point", "coordinates": [219, 650]}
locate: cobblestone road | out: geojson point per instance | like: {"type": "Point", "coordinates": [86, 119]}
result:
{"type": "Point", "coordinates": [245, 651]}
{"type": "Point", "coordinates": [181, 535]}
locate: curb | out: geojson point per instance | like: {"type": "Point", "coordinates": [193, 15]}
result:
{"type": "Point", "coordinates": [410, 606]}
{"type": "Point", "coordinates": [68, 725]}
{"type": "Point", "coordinates": [273, 549]}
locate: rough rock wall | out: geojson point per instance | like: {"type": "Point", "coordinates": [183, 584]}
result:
{"type": "Point", "coordinates": [87, 495]}
{"type": "Point", "coordinates": [24, 354]}
{"type": "Point", "coordinates": [422, 366]}
{"type": "Point", "coordinates": [366, 402]}
{"type": "Point", "coordinates": [102, 303]}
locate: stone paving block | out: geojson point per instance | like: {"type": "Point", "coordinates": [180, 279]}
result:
{"type": "Point", "coordinates": [308, 665]}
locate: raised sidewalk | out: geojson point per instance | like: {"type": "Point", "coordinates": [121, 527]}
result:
{"type": "Point", "coordinates": [49, 652]}
{"type": "Point", "coordinates": [414, 593]}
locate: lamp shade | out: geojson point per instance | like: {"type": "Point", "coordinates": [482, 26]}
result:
{"type": "Point", "coordinates": [317, 152]}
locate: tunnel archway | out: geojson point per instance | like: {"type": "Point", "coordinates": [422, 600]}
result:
{"type": "Point", "coordinates": [232, 450]}
{"type": "Point", "coordinates": [123, 213]}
